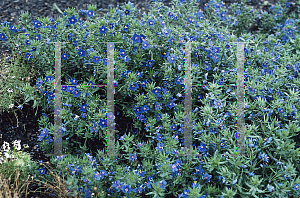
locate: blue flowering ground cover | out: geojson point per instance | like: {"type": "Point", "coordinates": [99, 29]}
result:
{"type": "Point", "coordinates": [149, 69]}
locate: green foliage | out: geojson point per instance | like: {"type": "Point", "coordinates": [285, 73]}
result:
{"type": "Point", "coordinates": [151, 159]}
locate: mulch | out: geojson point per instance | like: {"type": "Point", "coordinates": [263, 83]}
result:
{"type": "Point", "coordinates": [24, 125]}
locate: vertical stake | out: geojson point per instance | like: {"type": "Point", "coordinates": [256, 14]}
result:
{"type": "Point", "coordinates": [58, 103]}
{"type": "Point", "coordinates": [110, 100]}
{"type": "Point", "coordinates": [58, 106]}
{"type": "Point", "coordinates": [240, 99]}
{"type": "Point", "coordinates": [188, 102]}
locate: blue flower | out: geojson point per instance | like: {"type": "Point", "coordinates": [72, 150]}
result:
{"type": "Point", "coordinates": [75, 43]}
{"type": "Point", "coordinates": [5, 24]}
{"type": "Point", "coordinates": [268, 140]}
{"type": "Point", "coordinates": [159, 146]}
{"type": "Point", "coordinates": [149, 179]}
{"type": "Point", "coordinates": [133, 86]}
{"type": "Point", "coordinates": [237, 135]}
{"type": "Point", "coordinates": [42, 171]}
{"type": "Point", "coordinates": [142, 118]}
{"type": "Point", "coordinates": [216, 59]}
{"type": "Point", "coordinates": [213, 130]}
{"type": "Point", "coordinates": [170, 15]}
{"type": "Point", "coordinates": [20, 107]}
{"type": "Point", "coordinates": [202, 148]}
{"type": "Point", "coordinates": [156, 91]}
{"type": "Point", "coordinates": [141, 173]}
{"type": "Point", "coordinates": [14, 29]}
{"type": "Point", "coordinates": [217, 6]}
{"type": "Point", "coordinates": [139, 74]}
{"type": "Point", "coordinates": [132, 157]}
{"type": "Point", "coordinates": [117, 184]}
{"type": "Point", "coordinates": [83, 107]}
{"type": "Point", "coordinates": [103, 173]}
{"type": "Point", "coordinates": [145, 108]}
{"type": "Point", "coordinates": [126, 189]}
{"type": "Point", "coordinates": [150, 63]}
{"type": "Point", "coordinates": [150, 22]}
{"type": "Point", "coordinates": [69, 37]}
{"type": "Point", "coordinates": [270, 188]}
{"type": "Point", "coordinates": [105, 61]}
{"type": "Point", "coordinates": [138, 110]}
{"type": "Point", "coordinates": [199, 97]}
{"type": "Point", "coordinates": [199, 170]}
{"type": "Point", "coordinates": [207, 67]}
{"type": "Point", "coordinates": [206, 177]}
{"type": "Point", "coordinates": [93, 128]}
{"type": "Point", "coordinates": [287, 176]}
{"type": "Point", "coordinates": [159, 137]}
{"type": "Point", "coordinates": [185, 193]}
{"type": "Point", "coordinates": [3, 37]}
{"type": "Point", "coordinates": [126, 27]}
{"type": "Point", "coordinates": [166, 32]}
{"type": "Point", "coordinates": [110, 116]}
{"type": "Point", "coordinates": [209, 55]}
{"type": "Point", "coordinates": [27, 42]}
{"type": "Point", "coordinates": [28, 56]}
{"type": "Point", "coordinates": [222, 15]}
{"type": "Point", "coordinates": [102, 123]}
{"type": "Point", "coordinates": [78, 169]}
{"type": "Point", "coordinates": [127, 12]}
{"type": "Point", "coordinates": [103, 30]}
{"type": "Point", "coordinates": [195, 185]}
{"type": "Point", "coordinates": [88, 191]}
{"type": "Point", "coordinates": [74, 82]}
{"type": "Point", "coordinates": [189, 19]}
{"type": "Point", "coordinates": [265, 64]}
{"type": "Point", "coordinates": [44, 132]}
{"type": "Point", "coordinates": [81, 53]}
{"type": "Point", "coordinates": [195, 54]}
{"type": "Point", "coordinates": [122, 52]}
{"type": "Point", "coordinates": [90, 13]}
{"type": "Point", "coordinates": [178, 80]}
{"type": "Point", "coordinates": [173, 127]}
{"type": "Point", "coordinates": [76, 93]}
{"type": "Point", "coordinates": [145, 45]}
{"type": "Point", "coordinates": [218, 104]}
{"type": "Point", "coordinates": [162, 184]}
{"type": "Point", "coordinates": [64, 56]}
{"type": "Point", "coordinates": [136, 38]}
{"type": "Point", "coordinates": [72, 20]}
{"type": "Point", "coordinates": [48, 79]}
{"type": "Point", "coordinates": [51, 96]}
{"type": "Point", "coordinates": [36, 24]}
{"type": "Point", "coordinates": [90, 83]}
{"type": "Point", "coordinates": [96, 59]}
{"type": "Point", "coordinates": [296, 187]}
{"type": "Point", "coordinates": [172, 58]}
{"type": "Point", "coordinates": [158, 106]}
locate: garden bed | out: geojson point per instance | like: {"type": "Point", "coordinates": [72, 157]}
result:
{"type": "Point", "coordinates": [22, 122]}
